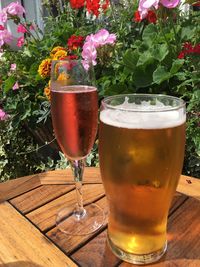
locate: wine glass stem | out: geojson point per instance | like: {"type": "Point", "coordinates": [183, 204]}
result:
{"type": "Point", "coordinates": [78, 169]}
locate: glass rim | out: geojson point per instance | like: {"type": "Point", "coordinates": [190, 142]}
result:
{"type": "Point", "coordinates": [180, 103]}
{"type": "Point", "coordinates": [68, 88]}
{"type": "Point", "coordinates": [65, 60]}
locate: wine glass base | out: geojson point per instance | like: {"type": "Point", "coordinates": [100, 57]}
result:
{"type": "Point", "coordinates": [91, 221]}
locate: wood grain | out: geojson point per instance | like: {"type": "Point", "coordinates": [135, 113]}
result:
{"type": "Point", "coordinates": [98, 253]}
{"type": "Point", "coordinates": [18, 186]}
{"type": "Point", "coordinates": [69, 243]}
{"type": "Point", "coordinates": [39, 196]}
{"type": "Point", "coordinates": [91, 175]}
{"type": "Point", "coordinates": [21, 244]}
{"type": "Point", "coordinates": [183, 237]}
{"type": "Point", "coordinates": [177, 201]}
{"type": "Point", "coordinates": [44, 217]}
{"type": "Point", "coordinates": [189, 186]}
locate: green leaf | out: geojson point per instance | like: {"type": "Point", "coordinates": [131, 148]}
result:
{"type": "Point", "coordinates": [145, 59]}
{"type": "Point", "coordinates": [143, 77]}
{"type": "Point", "coordinates": [33, 69]}
{"type": "Point", "coordinates": [187, 33]}
{"type": "Point", "coordinates": [181, 76]}
{"type": "Point", "coordinates": [197, 143]}
{"type": "Point", "coordinates": [8, 84]}
{"type": "Point", "coordinates": [149, 34]}
{"type": "Point", "coordinates": [159, 52]}
{"type": "Point", "coordinates": [130, 59]}
{"type": "Point", "coordinates": [160, 75]}
{"type": "Point", "coordinates": [115, 89]}
{"type": "Point", "coordinates": [177, 64]}
{"type": "Point", "coordinates": [27, 52]}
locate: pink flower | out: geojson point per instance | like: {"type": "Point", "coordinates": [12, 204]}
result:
{"type": "Point", "coordinates": [5, 37]}
{"type": "Point", "coordinates": [13, 66]}
{"type": "Point", "coordinates": [3, 115]}
{"type": "Point", "coordinates": [15, 86]}
{"type": "Point", "coordinates": [20, 41]}
{"type": "Point", "coordinates": [102, 37]}
{"type": "Point", "coordinates": [170, 3]}
{"type": "Point", "coordinates": [32, 27]}
{"type": "Point", "coordinates": [21, 28]}
{"type": "Point", "coordinates": [92, 42]}
{"type": "Point", "coordinates": [15, 9]}
{"type": "Point", "coordinates": [2, 28]}
{"type": "Point", "coordinates": [3, 16]}
{"type": "Point", "coordinates": [145, 5]}
{"type": "Point", "coordinates": [89, 55]}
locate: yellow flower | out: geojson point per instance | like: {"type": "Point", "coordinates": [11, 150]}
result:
{"type": "Point", "coordinates": [45, 68]}
{"type": "Point", "coordinates": [63, 76]}
{"type": "Point", "coordinates": [47, 93]}
{"type": "Point", "coordinates": [64, 79]}
{"type": "Point", "coordinates": [60, 54]}
{"type": "Point", "coordinates": [55, 50]}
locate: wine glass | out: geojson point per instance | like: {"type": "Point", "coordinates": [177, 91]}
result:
{"type": "Point", "coordinates": [74, 110]}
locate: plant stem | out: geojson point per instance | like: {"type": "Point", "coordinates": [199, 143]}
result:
{"type": "Point", "coordinates": [175, 34]}
{"type": "Point", "coordinates": [29, 32]}
{"type": "Point", "coordinates": [113, 11]}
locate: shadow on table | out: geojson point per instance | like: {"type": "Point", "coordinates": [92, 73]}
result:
{"type": "Point", "coordinates": [20, 264]}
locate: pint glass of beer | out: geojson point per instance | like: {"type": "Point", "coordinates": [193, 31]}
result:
{"type": "Point", "coordinates": [141, 150]}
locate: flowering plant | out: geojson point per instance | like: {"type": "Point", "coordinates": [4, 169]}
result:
{"type": "Point", "coordinates": [148, 47]}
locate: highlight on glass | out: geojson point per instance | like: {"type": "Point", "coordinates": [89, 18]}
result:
{"type": "Point", "coordinates": [140, 170]}
{"type": "Point", "coordinates": [74, 110]}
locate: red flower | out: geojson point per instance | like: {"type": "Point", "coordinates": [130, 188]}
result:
{"type": "Point", "coordinates": [151, 17]}
{"type": "Point", "coordinates": [197, 3]}
{"type": "Point", "coordinates": [105, 5]}
{"type": "Point", "coordinates": [137, 17]}
{"type": "Point", "coordinates": [181, 55]}
{"type": "Point", "coordinates": [70, 57]}
{"type": "Point", "coordinates": [74, 42]}
{"type": "Point", "coordinates": [197, 49]}
{"type": "Point", "coordinates": [2, 28]}
{"type": "Point", "coordinates": [188, 49]}
{"type": "Point", "coordinates": [77, 3]}
{"type": "Point", "coordinates": [93, 7]}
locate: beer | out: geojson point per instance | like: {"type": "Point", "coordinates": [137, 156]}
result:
{"type": "Point", "coordinates": [141, 157]}
{"type": "Point", "coordinates": [74, 112]}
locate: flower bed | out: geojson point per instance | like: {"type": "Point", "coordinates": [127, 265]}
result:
{"type": "Point", "coordinates": [149, 47]}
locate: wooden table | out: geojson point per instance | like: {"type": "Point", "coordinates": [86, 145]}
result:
{"type": "Point", "coordinates": [29, 237]}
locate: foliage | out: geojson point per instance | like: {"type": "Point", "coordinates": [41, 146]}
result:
{"type": "Point", "coordinates": [149, 56]}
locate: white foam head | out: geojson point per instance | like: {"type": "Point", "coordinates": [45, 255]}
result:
{"type": "Point", "coordinates": [143, 116]}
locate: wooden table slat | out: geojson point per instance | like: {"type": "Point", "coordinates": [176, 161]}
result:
{"type": "Point", "coordinates": [18, 186]}
{"type": "Point", "coordinates": [177, 201]}
{"type": "Point", "coordinates": [39, 196]}
{"type": "Point", "coordinates": [97, 251]}
{"type": "Point", "coordinates": [91, 176]}
{"type": "Point", "coordinates": [189, 186]}
{"type": "Point", "coordinates": [21, 244]}
{"type": "Point", "coordinates": [44, 217]}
